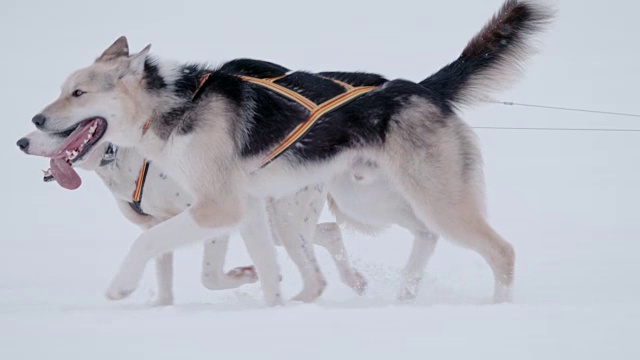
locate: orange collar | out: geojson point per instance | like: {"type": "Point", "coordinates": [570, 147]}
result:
{"type": "Point", "coordinates": [136, 197]}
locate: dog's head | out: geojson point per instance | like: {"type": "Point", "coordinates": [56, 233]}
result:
{"type": "Point", "coordinates": [43, 144]}
{"type": "Point", "coordinates": [104, 102]}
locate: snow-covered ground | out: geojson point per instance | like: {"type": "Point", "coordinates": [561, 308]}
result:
{"type": "Point", "coordinates": [568, 201]}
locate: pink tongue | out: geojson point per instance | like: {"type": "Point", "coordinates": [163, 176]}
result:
{"type": "Point", "coordinates": [64, 174]}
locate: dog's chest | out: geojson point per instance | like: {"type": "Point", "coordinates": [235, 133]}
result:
{"type": "Point", "coordinates": [163, 194]}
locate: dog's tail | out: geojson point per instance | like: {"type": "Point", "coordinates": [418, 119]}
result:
{"type": "Point", "coordinates": [492, 60]}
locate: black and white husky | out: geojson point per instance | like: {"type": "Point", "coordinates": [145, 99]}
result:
{"type": "Point", "coordinates": [212, 129]}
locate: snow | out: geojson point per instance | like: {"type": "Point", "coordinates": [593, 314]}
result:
{"type": "Point", "coordinates": [568, 201]}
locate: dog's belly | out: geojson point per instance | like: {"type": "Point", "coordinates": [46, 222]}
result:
{"type": "Point", "coordinates": [374, 203]}
{"type": "Point", "coordinates": [279, 180]}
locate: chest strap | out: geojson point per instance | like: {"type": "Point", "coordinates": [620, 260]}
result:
{"type": "Point", "coordinates": [316, 110]}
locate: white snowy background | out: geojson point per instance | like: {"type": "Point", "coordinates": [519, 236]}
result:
{"type": "Point", "coordinates": [568, 200]}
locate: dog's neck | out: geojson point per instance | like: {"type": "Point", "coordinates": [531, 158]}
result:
{"type": "Point", "coordinates": [166, 96]}
{"type": "Point", "coordinates": [120, 164]}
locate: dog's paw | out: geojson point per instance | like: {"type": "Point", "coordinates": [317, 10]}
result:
{"type": "Point", "coordinates": [305, 297]}
{"type": "Point", "coordinates": [357, 282]}
{"type": "Point", "coordinates": [311, 293]}
{"type": "Point", "coordinates": [408, 294]}
{"type": "Point", "coordinates": [115, 294]}
{"type": "Point", "coordinates": [231, 280]}
{"type": "Point", "coordinates": [410, 289]}
{"type": "Point", "coordinates": [273, 299]}
{"type": "Point", "coordinates": [163, 301]}
{"type": "Point", "coordinates": [502, 294]}
{"type": "Point", "coordinates": [244, 274]}
{"type": "Point", "coordinates": [120, 288]}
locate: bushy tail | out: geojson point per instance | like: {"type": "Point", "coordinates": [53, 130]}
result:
{"type": "Point", "coordinates": [492, 60]}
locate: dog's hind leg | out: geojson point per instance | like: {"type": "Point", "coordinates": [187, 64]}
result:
{"type": "Point", "coordinates": [329, 236]}
{"type": "Point", "coordinates": [424, 244]}
{"type": "Point", "coordinates": [436, 165]}
{"type": "Point", "coordinates": [472, 230]}
{"type": "Point", "coordinates": [294, 220]}
{"type": "Point", "coordinates": [213, 260]}
{"type": "Point", "coordinates": [460, 219]}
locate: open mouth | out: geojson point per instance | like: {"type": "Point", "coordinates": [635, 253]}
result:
{"type": "Point", "coordinates": [80, 139]}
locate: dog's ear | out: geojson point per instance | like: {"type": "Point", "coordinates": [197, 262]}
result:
{"type": "Point", "coordinates": [120, 48]}
{"type": "Point", "coordinates": [136, 62]}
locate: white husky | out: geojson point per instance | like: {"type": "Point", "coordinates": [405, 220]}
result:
{"type": "Point", "coordinates": [291, 217]}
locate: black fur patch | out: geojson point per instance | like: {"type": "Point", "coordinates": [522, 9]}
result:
{"type": "Point", "coordinates": [355, 78]}
{"type": "Point", "coordinates": [186, 84]}
{"type": "Point", "coordinates": [228, 86]}
{"type": "Point", "coordinates": [254, 68]}
{"type": "Point", "coordinates": [152, 77]}
{"type": "Point", "coordinates": [184, 117]}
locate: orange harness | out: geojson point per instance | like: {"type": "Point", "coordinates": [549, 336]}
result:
{"type": "Point", "coordinates": [316, 111]}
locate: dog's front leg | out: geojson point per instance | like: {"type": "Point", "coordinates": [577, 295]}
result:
{"type": "Point", "coordinates": [164, 262]}
{"type": "Point", "coordinates": [258, 239]}
{"type": "Point", "coordinates": [164, 274]}
{"type": "Point", "coordinates": [192, 225]}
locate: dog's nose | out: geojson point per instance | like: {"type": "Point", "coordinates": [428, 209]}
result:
{"type": "Point", "coordinates": [39, 120]}
{"type": "Point", "coordinates": [23, 144]}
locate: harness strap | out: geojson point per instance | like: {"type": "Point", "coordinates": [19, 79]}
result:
{"type": "Point", "coordinates": [201, 81]}
{"type": "Point", "coordinates": [322, 109]}
{"type": "Point", "coordinates": [136, 197]}
{"type": "Point", "coordinates": [269, 83]}
{"type": "Point", "coordinates": [317, 110]}
{"type": "Point", "coordinates": [343, 84]}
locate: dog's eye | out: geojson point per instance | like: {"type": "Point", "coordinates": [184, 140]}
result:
{"type": "Point", "coordinates": [77, 93]}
